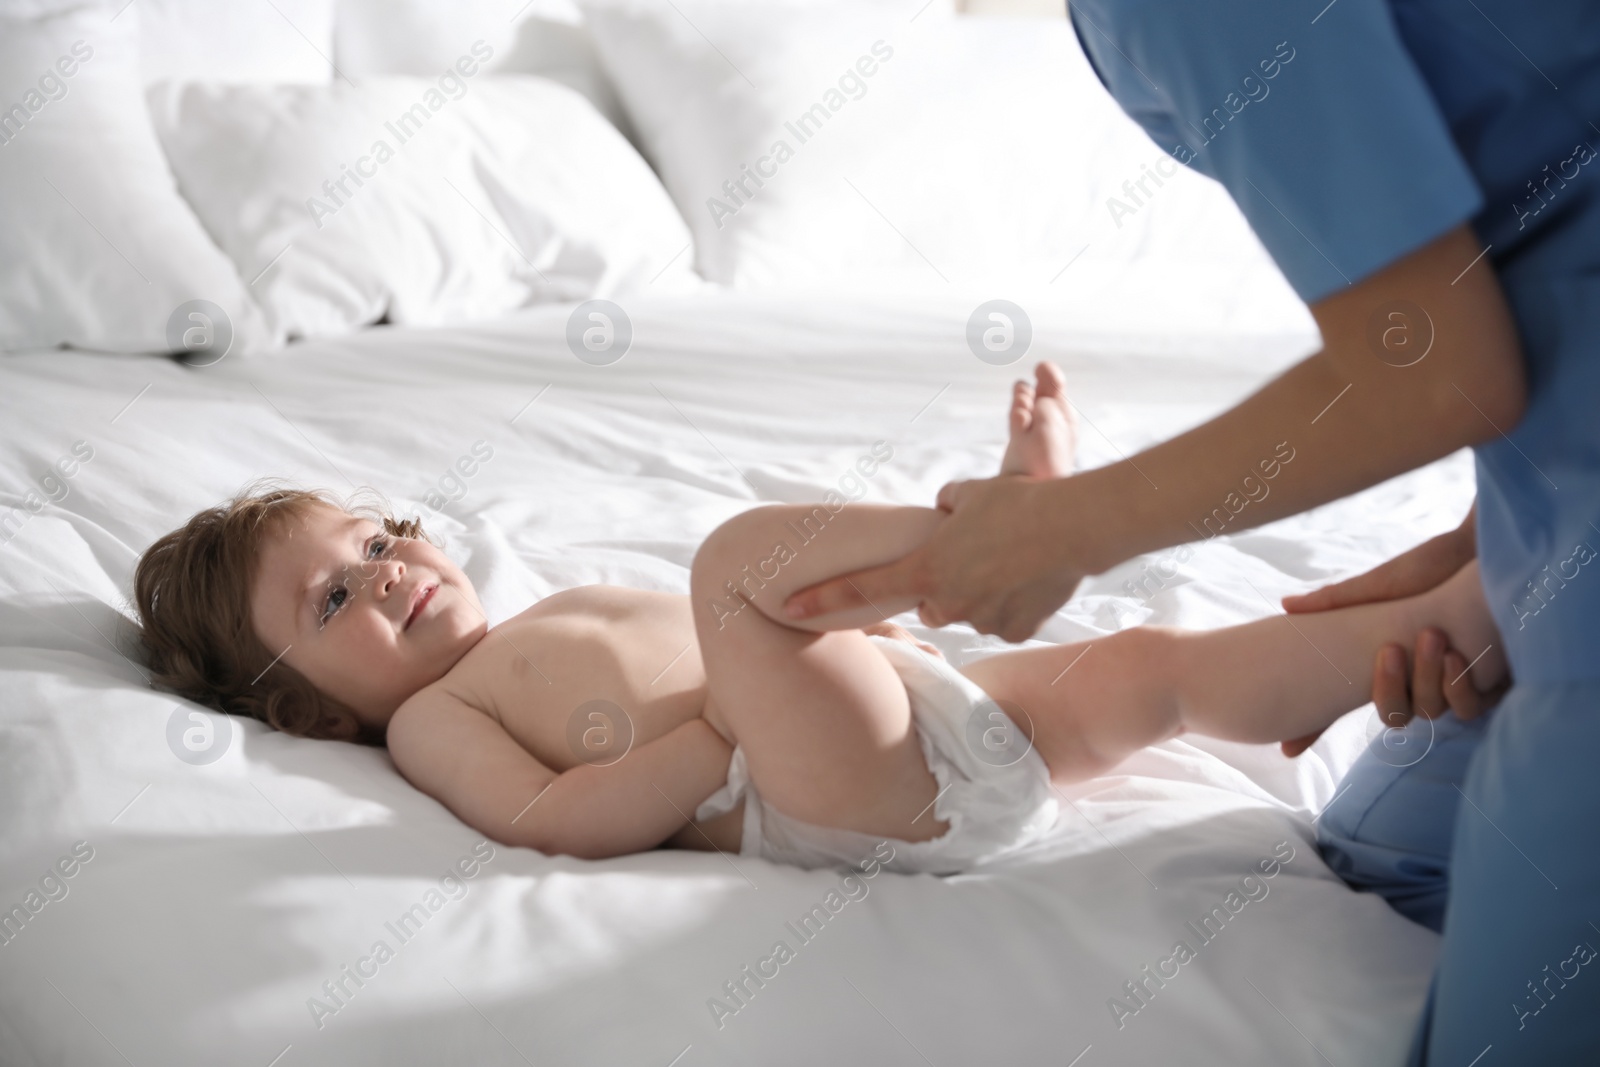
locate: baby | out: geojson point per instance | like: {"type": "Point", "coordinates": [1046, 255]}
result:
{"type": "Point", "coordinates": [603, 721]}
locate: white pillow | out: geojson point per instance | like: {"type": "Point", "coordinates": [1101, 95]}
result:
{"type": "Point", "coordinates": [977, 154]}
{"type": "Point", "coordinates": [237, 40]}
{"type": "Point", "coordinates": [223, 40]}
{"type": "Point", "coordinates": [97, 249]}
{"type": "Point", "coordinates": [422, 201]}
{"type": "Point", "coordinates": [375, 38]}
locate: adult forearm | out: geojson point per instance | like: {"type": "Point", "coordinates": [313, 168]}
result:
{"type": "Point", "coordinates": [1341, 420]}
{"type": "Point", "coordinates": [1279, 452]}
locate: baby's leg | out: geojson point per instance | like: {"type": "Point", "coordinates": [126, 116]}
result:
{"type": "Point", "coordinates": [1287, 676]}
{"type": "Point", "coordinates": [1094, 703]}
{"type": "Point", "coordinates": [823, 718]}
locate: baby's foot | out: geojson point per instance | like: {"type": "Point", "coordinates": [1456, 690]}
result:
{"type": "Point", "coordinates": [1044, 431]}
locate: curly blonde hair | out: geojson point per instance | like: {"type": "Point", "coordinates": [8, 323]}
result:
{"type": "Point", "coordinates": [192, 590]}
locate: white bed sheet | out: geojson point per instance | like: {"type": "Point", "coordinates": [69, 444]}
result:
{"type": "Point", "coordinates": [220, 898]}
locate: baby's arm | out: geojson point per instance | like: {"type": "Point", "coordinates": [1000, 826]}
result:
{"type": "Point", "coordinates": [466, 760]}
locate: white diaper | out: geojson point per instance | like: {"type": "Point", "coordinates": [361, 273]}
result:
{"type": "Point", "coordinates": [994, 789]}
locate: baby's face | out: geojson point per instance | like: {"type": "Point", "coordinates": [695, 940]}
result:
{"type": "Point", "coordinates": [338, 594]}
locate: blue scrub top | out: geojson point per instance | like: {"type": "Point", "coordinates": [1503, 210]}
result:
{"type": "Point", "coordinates": [1350, 134]}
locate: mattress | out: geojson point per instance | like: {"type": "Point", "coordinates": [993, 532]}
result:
{"type": "Point", "coordinates": [232, 911]}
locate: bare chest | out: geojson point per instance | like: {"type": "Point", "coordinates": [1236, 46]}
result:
{"type": "Point", "coordinates": [586, 674]}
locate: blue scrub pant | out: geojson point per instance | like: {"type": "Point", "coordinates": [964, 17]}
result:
{"type": "Point", "coordinates": [1489, 832]}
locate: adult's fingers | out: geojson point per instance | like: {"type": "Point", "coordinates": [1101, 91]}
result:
{"type": "Point", "coordinates": [1427, 674]}
{"type": "Point", "coordinates": [1415, 571]}
{"type": "Point", "coordinates": [1463, 694]}
{"type": "Point", "coordinates": [889, 584]}
{"type": "Point", "coordinates": [1384, 582]}
{"type": "Point", "coordinates": [1459, 692]}
{"type": "Point", "coordinates": [1398, 697]}
{"type": "Point", "coordinates": [951, 494]}
{"type": "Point", "coordinates": [1389, 690]}
{"type": "Point", "coordinates": [1325, 598]}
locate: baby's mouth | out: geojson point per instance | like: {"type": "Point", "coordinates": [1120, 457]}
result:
{"type": "Point", "coordinates": [424, 596]}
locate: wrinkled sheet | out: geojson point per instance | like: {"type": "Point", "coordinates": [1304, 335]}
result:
{"type": "Point", "coordinates": [220, 898]}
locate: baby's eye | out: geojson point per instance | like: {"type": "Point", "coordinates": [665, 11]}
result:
{"type": "Point", "coordinates": [336, 600]}
{"type": "Point", "coordinates": [378, 548]}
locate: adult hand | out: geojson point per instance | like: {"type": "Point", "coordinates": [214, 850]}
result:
{"type": "Point", "coordinates": [1437, 678]}
{"type": "Point", "coordinates": [1408, 574]}
{"type": "Point", "coordinates": [994, 562]}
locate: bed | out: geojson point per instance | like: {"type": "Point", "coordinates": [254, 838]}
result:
{"type": "Point", "coordinates": [226, 900]}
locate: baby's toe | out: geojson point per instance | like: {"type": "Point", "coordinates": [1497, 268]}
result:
{"type": "Point", "coordinates": [1052, 382]}
{"type": "Point", "coordinates": [1021, 419]}
{"type": "Point", "coordinates": [1021, 406]}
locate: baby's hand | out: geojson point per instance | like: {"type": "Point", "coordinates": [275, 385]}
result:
{"type": "Point", "coordinates": [899, 633]}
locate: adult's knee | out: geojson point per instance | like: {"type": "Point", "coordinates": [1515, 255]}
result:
{"type": "Point", "coordinates": [1391, 826]}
